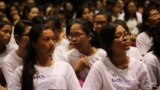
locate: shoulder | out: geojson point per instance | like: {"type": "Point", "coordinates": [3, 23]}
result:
{"type": "Point", "coordinates": [11, 57]}
{"type": "Point", "coordinates": [150, 58]}
{"type": "Point", "coordinates": [143, 34]}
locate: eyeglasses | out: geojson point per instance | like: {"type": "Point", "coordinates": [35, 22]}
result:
{"type": "Point", "coordinates": [122, 35]}
{"type": "Point", "coordinates": [102, 23]}
{"type": "Point", "coordinates": [75, 35]}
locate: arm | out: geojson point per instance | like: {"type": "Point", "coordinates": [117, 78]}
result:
{"type": "Point", "coordinates": [153, 72]}
{"type": "Point", "coordinates": [15, 82]}
{"type": "Point", "coordinates": [145, 82]}
{"type": "Point", "coordinates": [7, 71]}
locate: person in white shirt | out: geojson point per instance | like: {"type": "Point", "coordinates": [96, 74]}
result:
{"type": "Point", "coordinates": [117, 71]}
{"type": "Point", "coordinates": [14, 58]}
{"type": "Point", "coordinates": [5, 36]}
{"type": "Point", "coordinates": [132, 52]}
{"type": "Point", "coordinates": [84, 53]}
{"type": "Point", "coordinates": [144, 39]}
{"type": "Point", "coordinates": [39, 70]}
{"type": "Point", "coordinates": [152, 59]}
{"type": "Point", "coordinates": [56, 23]}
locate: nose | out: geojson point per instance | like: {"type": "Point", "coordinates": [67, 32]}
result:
{"type": "Point", "coordinates": [51, 43]}
{"type": "Point", "coordinates": [8, 35]}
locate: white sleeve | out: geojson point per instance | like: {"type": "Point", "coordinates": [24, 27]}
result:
{"type": "Point", "coordinates": [7, 70]}
{"type": "Point", "coordinates": [145, 81]}
{"type": "Point", "coordinates": [153, 71]}
{"type": "Point", "coordinates": [93, 80]}
{"type": "Point", "coordinates": [141, 45]}
{"type": "Point", "coordinates": [58, 55]}
{"type": "Point", "coordinates": [15, 82]}
{"type": "Point", "coordinates": [72, 80]}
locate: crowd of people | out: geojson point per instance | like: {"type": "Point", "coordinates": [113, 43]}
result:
{"type": "Point", "coordinates": [93, 45]}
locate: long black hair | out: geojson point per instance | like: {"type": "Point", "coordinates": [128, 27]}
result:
{"type": "Point", "coordinates": [106, 37]}
{"type": "Point", "coordinates": [29, 59]}
{"type": "Point", "coordinates": [156, 40]}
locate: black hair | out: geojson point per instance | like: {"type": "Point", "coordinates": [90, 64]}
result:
{"type": "Point", "coordinates": [20, 26]}
{"type": "Point", "coordinates": [87, 27]}
{"type": "Point", "coordinates": [122, 23]}
{"type": "Point", "coordinates": [107, 15]}
{"type": "Point", "coordinates": [29, 59]}
{"type": "Point", "coordinates": [38, 19]}
{"type": "Point", "coordinates": [3, 23]}
{"type": "Point", "coordinates": [80, 11]}
{"type": "Point", "coordinates": [56, 22]}
{"type": "Point", "coordinates": [27, 8]}
{"type": "Point", "coordinates": [156, 40]}
{"type": "Point", "coordinates": [106, 37]}
{"type": "Point", "coordinates": [126, 16]}
{"type": "Point", "coordinates": [146, 27]}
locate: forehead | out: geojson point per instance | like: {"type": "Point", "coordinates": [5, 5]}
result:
{"type": "Point", "coordinates": [120, 29]}
{"type": "Point", "coordinates": [8, 27]}
{"type": "Point", "coordinates": [47, 32]}
{"type": "Point", "coordinates": [154, 11]}
{"type": "Point", "coordinates": [34, 9]}
{"type": "Point", "coordinates": [76, 28]}
{"type": "Point", "coordinates": [100, 17]}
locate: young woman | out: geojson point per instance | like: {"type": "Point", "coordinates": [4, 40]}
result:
{"type": "Point", "coordinates": [5, 36]}
{"type": "Point", "coordinates": [84, 53]}
{"type": "Point", "coordinates": [39, 70]}
{"type": "Point", "coordinates": [152, 59]}
{"type": "Point", "coordinates": [144, 40]}
{"type": "Point", "coordinates": [117, 71]}
{"type": "Point", "coordinates": [132, 52]}
{"type": "Point", "coordinates": [14, 58]}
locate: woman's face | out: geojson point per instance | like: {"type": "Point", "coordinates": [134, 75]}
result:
{"type": "Point", "coordinates": [46, 43]}
{"type": "Point", "coordinates": [154, 17]}
{"type": "Point", "coordinates": [24, 39]}
{"type": "Point", "coordinates": [99, 22]}
{"type": "Point", "coordinates": [87, 14]}
{"type": "Point", "coordinates": [78, 37]}
{"type": "Point", "coordinates": [121, 40]}
{"type": "Point", "coordinates": [5, 34]}
{"type": "Point", "coordinates": [131, 7]}
{"type": "Point", "coordinates": [33, 13]}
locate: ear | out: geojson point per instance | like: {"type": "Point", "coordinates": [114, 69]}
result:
{"type": "Point", "coordinates": [17, 38]}
{"type": "Point", "coordinates": [90, 36]}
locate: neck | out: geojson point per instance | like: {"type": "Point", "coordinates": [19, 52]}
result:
{"type": "Point", "coordinates": [120, 60]}
{"type": "Point", "coordinates": [90, 50]}
{"type": "Point", "coordinates": [20, 52]}
{"type": "Point", "coordinates": [2, 49]}
{"type": "Point", "coordinates": [116, 15]}
{"type": "Point", "coordinates": [44, 60]}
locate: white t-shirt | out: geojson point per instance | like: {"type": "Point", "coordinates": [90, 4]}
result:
{"type": "Point", "coordinates": [12, 41]}
{"type": "Point", "coordinates": [3, 55]}
{"type": "Point", "coordinates": [153, 64]}
{"type": "Point", "coordinates": [73, 55]}
{"type": "Point", "coordinates": [9, 65]}
{"type": "Point", "coordinates": [63, 42]}
{"type": "Point", "coordinates": [59, 76]}
{"type": "Point", "coordinates": [105, 76]}
{"type": "Point", "coordinates": [132, 23]}
{"type": "Point", "coordinates": [133, 52]}
{"type": "Point", "coordinates": [143, 42]}
{"type": "Point", "coordinates": [59, 52]}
